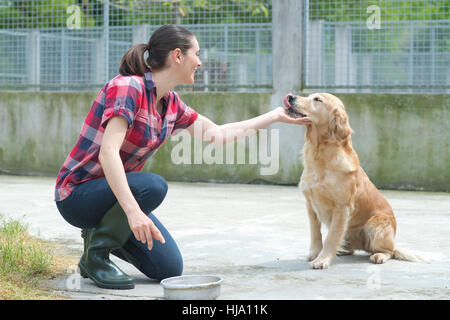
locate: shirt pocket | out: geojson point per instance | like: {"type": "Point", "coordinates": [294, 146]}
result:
{"type": "Point", "coordinates": [140, 134]}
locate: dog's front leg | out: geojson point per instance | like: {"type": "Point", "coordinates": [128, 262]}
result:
{"type": "Point", "coordinates": [333, 240]}
{"type": "Point", "coordinates": [316, 235]}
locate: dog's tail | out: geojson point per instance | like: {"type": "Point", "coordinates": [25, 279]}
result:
{"type": "Point", "coordinates": [414, 256]}
{"type": "Point", "coordinates": [407, 255]}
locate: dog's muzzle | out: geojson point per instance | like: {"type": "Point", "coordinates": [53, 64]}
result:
{"type": "Point", "coordinates": [289, 99]}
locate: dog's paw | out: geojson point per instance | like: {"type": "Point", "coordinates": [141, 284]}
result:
{"type": "Point", "coordinates": [321, 263]}
{"type": "Point", "coordinates": [314, 252]}
{"type": "Point", "coordinates": [379, 258]}
{"type": "Point", "coordinates": [313, 255]}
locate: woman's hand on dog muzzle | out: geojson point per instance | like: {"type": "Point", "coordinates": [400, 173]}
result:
{"type": "Point", "coordinates": [283, 116]}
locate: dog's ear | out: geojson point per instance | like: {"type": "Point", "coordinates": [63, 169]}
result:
{"type": "Point", "coordinates": [339, 125]}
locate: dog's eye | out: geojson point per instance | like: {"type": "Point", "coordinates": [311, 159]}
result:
{"type": "Point", "coordinates": [317, 99]}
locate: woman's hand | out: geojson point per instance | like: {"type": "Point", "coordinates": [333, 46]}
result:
{"type": "Point", "coordinates": [283, 116]}
{"type": "Point", "coordinates": [144, 229]}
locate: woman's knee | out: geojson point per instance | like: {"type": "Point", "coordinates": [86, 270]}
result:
{"type": "Point", "coordinates": [172, 269]}
{"type": "Point", "coordinates": [165, 266]}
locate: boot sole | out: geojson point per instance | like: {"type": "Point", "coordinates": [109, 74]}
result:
{"type": "Point", "coordinates": [85, 274]}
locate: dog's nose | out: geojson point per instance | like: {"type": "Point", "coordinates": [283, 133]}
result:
{"type": "Point", "coordinates": [291, 98]}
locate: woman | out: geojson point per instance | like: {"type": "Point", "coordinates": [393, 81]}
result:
{"type": "Point", "coordinates": [99, 187]}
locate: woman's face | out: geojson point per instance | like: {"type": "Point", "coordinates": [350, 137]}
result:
{"type": "Point", "coordinates": [190, 62]}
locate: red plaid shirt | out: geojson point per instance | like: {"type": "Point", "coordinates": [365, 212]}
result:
{"type": "Point", "coordinates": [133, 97]}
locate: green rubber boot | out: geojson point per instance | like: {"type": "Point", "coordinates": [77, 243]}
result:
{"type": "Point", "coordinates": [111, 234]}
{"type": "Point", "coordinates": [121, 253]}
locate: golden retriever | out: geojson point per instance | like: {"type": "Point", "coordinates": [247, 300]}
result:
{"type": "Point", "coordinates": [337, 190]}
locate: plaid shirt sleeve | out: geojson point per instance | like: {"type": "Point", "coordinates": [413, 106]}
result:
{"type": "Point", "coordinates": [122, 97]}
{"type": "Point", "coordinates": [185, 116]}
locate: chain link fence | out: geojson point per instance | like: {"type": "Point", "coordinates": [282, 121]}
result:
{"type": "Point", "coordinates": [349, 46]}
{"type": "Point", "coordinates": [377, 46]}
{"type": "Point", "coordinates": [72, 45]}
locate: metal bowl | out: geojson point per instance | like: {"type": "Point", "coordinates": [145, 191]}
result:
{"type": "Point", "coordinates": [192, 287]}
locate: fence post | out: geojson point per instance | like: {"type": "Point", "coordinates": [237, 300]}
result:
{"type": "Point", "coordinates": [64, 60]}
{"type": "Point", "coordinates": [105, 55]}
{"type": "Point", "coordinates": [287, 36]}
{"type": "Point", "coordinates": [257, 56]}
{"type": "Point", "coordinates": [433, 55]}
{"type": "Point", "coordinates": [411, 57]}
{"type": "Point", "coordinates": [286, 47]}
{"type": "Point", "coordinates": [34, 69]}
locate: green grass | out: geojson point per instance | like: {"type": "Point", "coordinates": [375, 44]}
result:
{"type": "Point", "coordinates": [25, 262]}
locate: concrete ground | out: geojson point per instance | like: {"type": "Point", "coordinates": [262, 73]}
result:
{"type": "Point", "coordinates": [256, 237]}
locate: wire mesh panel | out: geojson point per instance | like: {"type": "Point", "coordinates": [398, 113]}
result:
{"type": "Point", "coordinates": [13, 57]}
{"type": "Point", "coordinates": [377, 46]}
{"type": "Point", "coordinates": [78, 44]}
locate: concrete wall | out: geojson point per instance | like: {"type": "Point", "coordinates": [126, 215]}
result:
{"type": "Point", "coordinates": [402, 140]}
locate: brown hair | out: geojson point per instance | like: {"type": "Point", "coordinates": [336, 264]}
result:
{"type": "Point", "coordinates": [162, 41]}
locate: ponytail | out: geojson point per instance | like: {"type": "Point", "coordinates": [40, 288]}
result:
{"type": "Point", "coordinates": [133, 62]}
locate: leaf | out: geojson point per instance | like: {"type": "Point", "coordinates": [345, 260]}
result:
{"type": "Point", "coordinates": [266, 11]}
{"type": "Point", "coordinates": [182, 11]}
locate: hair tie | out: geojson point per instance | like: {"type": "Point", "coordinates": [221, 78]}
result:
{"type": "Point", "coordinates": [146, 48]}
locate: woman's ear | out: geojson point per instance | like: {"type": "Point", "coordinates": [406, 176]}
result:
{"type": "Point", "coordinates": [339, 125]}
{"type": "Point", "coordinates": [176, 55]}
{"type": "Point", "coordinates": [179, 55]}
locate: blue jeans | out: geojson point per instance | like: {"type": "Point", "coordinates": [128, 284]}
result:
{"type": "Point", "coordinates": [90, 200]}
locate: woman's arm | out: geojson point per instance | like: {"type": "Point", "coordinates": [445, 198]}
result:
{"type": "Point", "coordinates": [203, 128]}
{"type": "Point", "coordinates": [142, 227]}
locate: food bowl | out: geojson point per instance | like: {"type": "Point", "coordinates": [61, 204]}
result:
{"type": "Point", "coordinates": [192, 287]}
